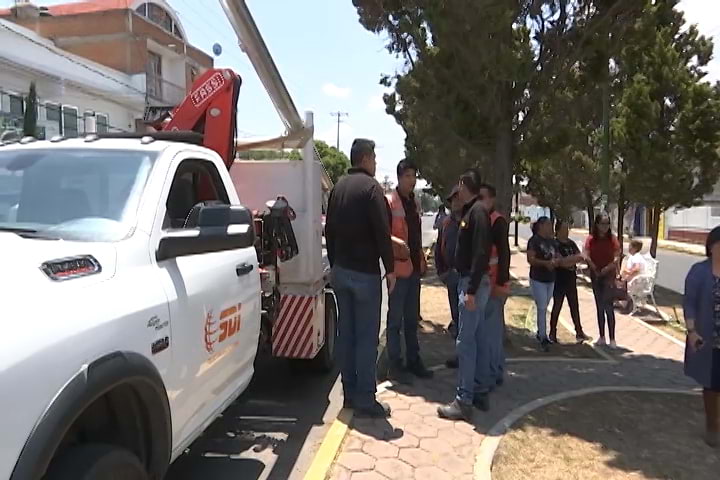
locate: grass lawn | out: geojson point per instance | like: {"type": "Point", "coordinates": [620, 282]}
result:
{"type": "Point", "coordinates": [641, 436]}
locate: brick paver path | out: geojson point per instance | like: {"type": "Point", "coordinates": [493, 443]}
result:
{"type": "Point", "coordinates": [415, 444]}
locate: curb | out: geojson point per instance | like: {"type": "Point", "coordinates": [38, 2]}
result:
{"type": "Point", "coordinates": [332, 442]}
{"type": "Point", "coordinates": [489, 446]}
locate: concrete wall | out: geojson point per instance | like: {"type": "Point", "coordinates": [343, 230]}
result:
{"type": "Point", "coordinates": [695, 218]}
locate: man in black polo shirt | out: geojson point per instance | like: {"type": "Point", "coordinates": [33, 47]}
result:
{"type": "Point", "coordinates": [357, 233]}
{"type": "Point", "coordinates": [472, 259]}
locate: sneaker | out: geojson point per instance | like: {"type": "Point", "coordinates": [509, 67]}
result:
{"type": "Point", "coordinates": [553, 338]}
{"type": "Point", "coordinates": [376, 410]}
{"type": "Point", "coordinates": [613, 344]}
{"type": "Point", "coordinates": [601, 342]}
{"type": "Point", "coordinates": [482, 402]}
{"type": "Point", "coordinates": [545, 345]}
{"type": "Point", "coordinates": [452, 363]}
{"type": "Point", "coordinates": [399, 375]}
{"type": "Point", "coordinates": [456, 410]}
{"type": "Point", "coordinates": [418, 369]}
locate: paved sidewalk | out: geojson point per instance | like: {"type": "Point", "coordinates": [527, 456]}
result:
{"type": "Point", "coordinates": [415, 444]}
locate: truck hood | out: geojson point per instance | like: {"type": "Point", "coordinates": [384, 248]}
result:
{"type": "Point", "coordinates": [21, 276]}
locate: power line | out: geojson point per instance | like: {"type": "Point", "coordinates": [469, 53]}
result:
{"type": "Point", "coordinates": [339, 115]}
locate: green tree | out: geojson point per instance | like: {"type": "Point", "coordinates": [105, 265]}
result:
{"type": "Point", "coordinates": [476, 71]}
{"type": "Point", "coordinates": [31, 112]}
{"type": "Point", "coordinates": [667, 127]}
{"type": "Point", "coordinates": [336, 163]}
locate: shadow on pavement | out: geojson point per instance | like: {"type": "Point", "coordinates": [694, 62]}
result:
{"type": "Point", "coordinates": [261, 435]}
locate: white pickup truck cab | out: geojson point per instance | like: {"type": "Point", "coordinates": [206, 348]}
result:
{"type": "Point", "coordinates": [130, 307]}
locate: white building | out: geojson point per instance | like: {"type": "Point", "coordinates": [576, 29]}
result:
{"type": "Point", "coordinates": [69, 87]}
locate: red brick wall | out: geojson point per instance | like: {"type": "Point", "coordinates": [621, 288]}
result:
{"type": "Point", "coordinates": [688, 236]}
{"type": "Point", "coordinates": [114, 38]}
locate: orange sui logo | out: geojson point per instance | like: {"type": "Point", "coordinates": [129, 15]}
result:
{"type": "Point", "coordinates": [226, 327]}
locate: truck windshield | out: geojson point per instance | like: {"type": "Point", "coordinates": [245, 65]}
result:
{"type": "Point", "coordinates": [72, 194]}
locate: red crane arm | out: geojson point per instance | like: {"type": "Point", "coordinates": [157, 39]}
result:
{"type": "Point", "coordinates": [211, 110]}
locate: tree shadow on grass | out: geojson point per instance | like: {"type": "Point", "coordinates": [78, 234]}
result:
{"type": "Point", "coordinates": [655, 435]}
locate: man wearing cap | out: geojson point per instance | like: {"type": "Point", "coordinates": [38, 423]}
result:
{"type": "Point", "coordinates": [445, 262]}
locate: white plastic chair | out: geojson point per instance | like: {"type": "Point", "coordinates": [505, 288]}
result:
{"type": "Point", "coordinates": [642, 286]}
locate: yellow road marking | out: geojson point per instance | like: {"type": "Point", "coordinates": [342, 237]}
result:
{"type": "Point", "coordinates": [328, 451]}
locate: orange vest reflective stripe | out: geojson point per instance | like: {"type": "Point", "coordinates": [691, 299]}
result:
{"type": "Point", "coordinates": [399, 229]}
{"type": "Point", "coordinates": [497, 290]}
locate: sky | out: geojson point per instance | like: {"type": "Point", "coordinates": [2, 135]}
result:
{"type": "Point", "coordinates": [330, 63]}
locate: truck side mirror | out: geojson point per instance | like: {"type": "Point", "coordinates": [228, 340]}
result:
{"type": "Point", "coordinates": [218, 228]}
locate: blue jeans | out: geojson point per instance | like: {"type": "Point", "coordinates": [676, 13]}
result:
{"type": "Point", "coordinates": [359, 297]}
{"type": "Point", "coordinates": [452, 281]}
{"type": "Point", "coordinates": [542, 293]}
{"type": "Point", "coordinates": [404, 314]}
{"type": "Point", "coordinates": [470, 342]}
{"type": "Point", "coordinates": [494, 317]}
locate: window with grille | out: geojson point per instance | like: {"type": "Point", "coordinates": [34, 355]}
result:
{"type": "Point", "coordinates": [70, 121]}
{"type": "Point", "coordinates": [103, 123]}
{"type": "Point", "coordinates": [16, 105]}
{"type": "Point", "coordinates": [154, 75]}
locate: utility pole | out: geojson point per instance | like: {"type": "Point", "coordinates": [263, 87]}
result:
{"type": "Point", "coordinates": [339, 115]}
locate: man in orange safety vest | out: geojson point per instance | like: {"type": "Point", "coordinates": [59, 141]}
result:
{"type": "Point", "coordinates": [404, 301]}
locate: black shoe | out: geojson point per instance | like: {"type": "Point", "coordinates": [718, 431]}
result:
{"type": "Point", "coordinates": [418, 369]}
{"type": "Point", "coordinates": [456, 410]}
{"type": "Point", "coordinates": [399, 375]}
{"type": "Point", "coordinates": [553, 338]}
{"type": "Point", "coordinates": [482, 402]}
{"type": "Point", "coordinates": [545, 345]}
{"type": "Point", "coordinates": [452, 363]}
{"type": "Point", "coordinates": [581, 337]}
{"type": "Point", "coordinates": [376, 410]}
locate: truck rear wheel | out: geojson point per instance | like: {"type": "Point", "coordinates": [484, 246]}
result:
{"type": "Point", "coordinates": [325, 359]}
{"type": "Point", "coordinates": [96, 462]}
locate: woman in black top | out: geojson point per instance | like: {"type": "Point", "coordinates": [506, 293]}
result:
{"type": "Point", "coordinates": [566, 282]}
{"type": "Point", "coordinates": [542, 257]}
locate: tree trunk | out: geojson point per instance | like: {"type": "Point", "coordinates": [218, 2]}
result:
{"type": "Point", "coordinates": [590, 206]}
{"type": "Point", "coordinates": [655, 213]}
{"type": "Point", "coordinates": [504, 159]}
{"type": "Point", "coordinates": [621, 216]}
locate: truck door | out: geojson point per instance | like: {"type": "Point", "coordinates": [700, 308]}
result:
{"type": "Point", "coordinates": [214, 306]}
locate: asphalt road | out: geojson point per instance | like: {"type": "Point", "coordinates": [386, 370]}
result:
{"type": "Point", "coordinates": [672, 269]}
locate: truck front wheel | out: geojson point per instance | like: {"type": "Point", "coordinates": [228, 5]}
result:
{"type": "Point", "coordinates": [96, 462]}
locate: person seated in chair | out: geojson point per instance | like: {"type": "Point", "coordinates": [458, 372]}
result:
{"type": "Point", "coordinates": [635, 264]}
